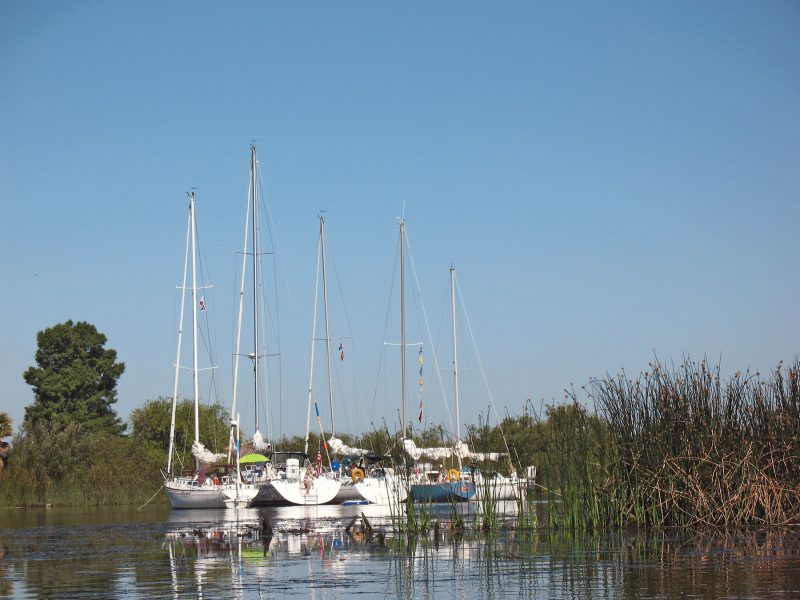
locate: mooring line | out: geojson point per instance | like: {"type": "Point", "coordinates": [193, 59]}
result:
{"type": "Point", "coordinates": [151, 498]}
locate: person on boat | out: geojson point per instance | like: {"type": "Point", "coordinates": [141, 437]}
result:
{"type": "Point", "coordinates": [307, 479]}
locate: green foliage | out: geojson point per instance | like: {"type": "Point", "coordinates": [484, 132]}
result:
{"type": "Point", "coordinates": [577, 465]}
{"type": "Point", "coordinates": [150, 428]}
{"type": "Point", "coordinates": [5, 425]}
{"type": "Point", "coordinates": [74, 465]}
{"type": "Point", "coordinates": [296, 443]}
{"type": "Point", "coordinates": [528, 438]}
{"type": "Point", "coordinates": [75, 379]}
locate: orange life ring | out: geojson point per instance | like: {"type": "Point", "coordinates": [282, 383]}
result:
{"type": "Point", "coordinates": [357, 475]}
{"type": "Point", "coordinates": [454, 474]}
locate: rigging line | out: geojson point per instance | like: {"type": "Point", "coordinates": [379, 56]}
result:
{"type": "Point", "coordinates": [430, 337]}
{"type": "Point", "coordinates": [312, 348]}
{"type": "Point", "coordinates": [438, 339]}
{"type": "Point", "coordinates": [351, 350]}
{"type": "Point", "coordinates": [271, 323]}
{"type": "Point", "coordinates": [417, 301]}
{"type": "Point", "coordinates": [207, 334]}
{"type": "Point", "coordinates": [480, 364]}
{"type": "Point", "coordinates": [339, 386]}
{"type": "Point", "coordinates": [236, 316]}
{"type": "Point", "coordinates": [339, 287]}
{"type": "Point", "coordinates": [385, 329]}
{"type": "Point", "coordinates": [277, 263]}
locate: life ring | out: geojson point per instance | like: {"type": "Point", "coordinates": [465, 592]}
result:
{"type": "Point", "coordinates": [357, 475]}
{"type": "Point", "coordinates": [454, 474]}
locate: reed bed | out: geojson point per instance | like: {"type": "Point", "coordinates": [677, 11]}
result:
{"type": "Point", "coordinates": [487, 505]}
{"type": "Point", "coordinates": [577, 463]}
{"type": "Point", "coordinates": [676, 446]}
{"type": "Point", "coordinates": [690, 449]}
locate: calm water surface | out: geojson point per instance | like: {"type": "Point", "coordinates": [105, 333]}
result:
{"type": "Point", "coordinates": [158, 553]}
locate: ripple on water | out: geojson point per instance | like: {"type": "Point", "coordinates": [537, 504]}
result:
{"type": "Point", "coordinates": [217, 554]}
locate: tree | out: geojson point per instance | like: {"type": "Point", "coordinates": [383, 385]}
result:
{"type": "Point", "coordinates": [150, 427]}
{"type": "Point", "coordinates": [5, 431]}
{"type": "Point", "coordinates": [75, 379]}
{"type": "Point", "coordinates": [5, 425]}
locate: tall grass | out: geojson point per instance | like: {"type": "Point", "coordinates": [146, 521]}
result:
{"type": "Point", "coordinates": [486, 494]}
{"type": "Point", "coordinates": [578, 458]}
{"type": "Point", "coordinates": [527, 515]}
{"type": "Point", "coordinates": [677, 446]}
{"type": "Point", "coordinates": [694, 450]}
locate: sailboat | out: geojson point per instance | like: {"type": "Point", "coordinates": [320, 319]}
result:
{"type": "Point", "coordinates": [435, 485]}
{"type": "Point", "coordinates": [201, 487]}
{"type": "Point", "coordinates": [241, 494]}
{"type": "Point", "coordinates": [288, 477]}
{"type": "Point", "coordinates": [462, 483]}
{"type": "Point", "coordinates": [367, 479]}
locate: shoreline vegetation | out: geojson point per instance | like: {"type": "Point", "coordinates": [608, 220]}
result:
{"type": "Point", "coordinates": [677, 446]}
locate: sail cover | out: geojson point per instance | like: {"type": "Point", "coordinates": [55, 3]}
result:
{"type": "Point", "coordinates": [433, 453]}
{"type": "Point", "coordinates": [461, 450]}
{"type": "Point", "coordinates": [259, 443]}
{"type": "Point", "coordinates": [204, 455]}
{"type": "Point", "coordinates": [339, 447]}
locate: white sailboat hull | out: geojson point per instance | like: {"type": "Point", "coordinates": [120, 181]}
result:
{"type": "Point", "coordinates": [385, 490]}
{"type": "Point", "coordinates": [348, 494]}
{"type": "Point", "coordinates": [321, 490]}
{"type": "Point", "coordinates": [241, 497]}
{"type": "Point", "coordinates": [500, 488]}
{"type": "Point", "coordinates": [202, 496]}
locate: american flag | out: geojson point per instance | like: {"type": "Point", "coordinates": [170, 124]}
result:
{"type": "Point", "coordinates": [319, 461]}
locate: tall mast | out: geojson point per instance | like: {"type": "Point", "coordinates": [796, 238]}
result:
{"type": "Point", "coordinates": [313, 344]}
{"type": "Point", "coordinates": [195, 372]}
{"type": "Point", "coordinates": [327, 324]}
{"type": "Point", "coordinates": [239, 320]}
{"type": "Point", "coordinates": [180, 344]}
{"type": "Point", "coordinates": [455, 350]}
{"type": "Point", "coordinates": [402, 327]}
{"type": "Point", "coordinates": [254, 191]}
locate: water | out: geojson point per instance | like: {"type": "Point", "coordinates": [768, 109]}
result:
{"type": "Point", "coordinates": [159, 553]}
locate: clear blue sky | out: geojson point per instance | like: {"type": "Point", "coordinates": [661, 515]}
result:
{"type": "Point", "coordinates": [610, 179]}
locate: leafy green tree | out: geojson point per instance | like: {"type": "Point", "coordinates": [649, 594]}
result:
{"type": "Point", "coordinates": [150, 428]}
{"type": "Point", "coordinates": [75, 380]}
{"type": "Point", "coordinates": [5, 425]}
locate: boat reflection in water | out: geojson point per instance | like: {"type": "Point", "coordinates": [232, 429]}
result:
{"type": "Point", "coordinates": [240, 554]}
{"type": "Point", "coordinates": [319, 552]}
{"type": "Point", "coordinates": [317, 556]}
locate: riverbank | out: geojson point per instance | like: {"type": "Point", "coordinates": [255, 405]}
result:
{"type": "Point", "coordinates": [675, 447]}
